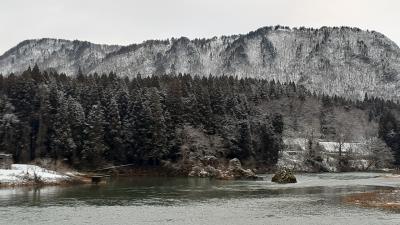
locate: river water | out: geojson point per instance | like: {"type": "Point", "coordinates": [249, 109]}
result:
{"type": "Point", "coordinates": [315, 199]}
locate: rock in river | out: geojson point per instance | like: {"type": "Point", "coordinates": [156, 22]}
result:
{"type": "Point", "coordinates": [235, 171]}
{"type": "Point", "coordinates": [284, 176]}
{"type": "Point", "coordinates": [232, 172]}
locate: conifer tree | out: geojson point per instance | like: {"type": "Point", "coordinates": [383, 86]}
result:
{"type": "Point", "coordinates": [94, 146]}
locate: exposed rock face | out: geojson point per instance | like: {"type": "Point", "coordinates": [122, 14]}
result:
{"type": "Point", "coordinates": [233, 172]}
{"type": "Point", "coordinates": [284, 176]}
{"type": "Point", "coordinates": [204, 171]}
{"type": "Point", "coordinates": [62, 56]}
{"type": "Point", "coordinates": [342, 61]}
{"type": "Point", "coordinates": [235, 164]}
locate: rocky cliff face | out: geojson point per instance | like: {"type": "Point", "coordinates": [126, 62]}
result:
{"type": "Point", "coordinates": [342, 61]}
{"type": "Point", "coordinates": [53, 54]}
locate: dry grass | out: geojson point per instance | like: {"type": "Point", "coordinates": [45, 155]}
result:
{"type": "Point", "coordinates": [50, 164]}
{"type": "Point", "coordinates": [379, 199]}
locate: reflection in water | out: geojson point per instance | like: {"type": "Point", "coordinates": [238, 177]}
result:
{"type": "Point", "coordinates": [148, 200]}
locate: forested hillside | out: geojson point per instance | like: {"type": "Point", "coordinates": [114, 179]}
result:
{"type": "Point", "coordinates": [343, 61]}
{"type": "Point", "coordinates": [92, 120]}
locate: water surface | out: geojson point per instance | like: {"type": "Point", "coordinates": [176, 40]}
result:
{"type": "Point", "coordinates": [315, 199]}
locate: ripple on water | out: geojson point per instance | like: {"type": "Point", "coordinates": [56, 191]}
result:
{"type": "Point", "coordinates": [316, 199]}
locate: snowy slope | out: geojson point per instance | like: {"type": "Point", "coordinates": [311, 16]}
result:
{"type": "Point", "coordinates": [60, 55]}
{"type": "Point", "coordinates": [342, 61]}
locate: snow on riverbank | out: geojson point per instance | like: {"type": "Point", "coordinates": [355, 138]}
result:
{"type": "Point", "coordinates": [294, 156]}
{"type": "Point", "coordinates": [20, 174]}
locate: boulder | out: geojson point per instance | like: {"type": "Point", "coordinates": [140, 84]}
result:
{"type": "Point", "coordinates": [210, 160]}
{"type": "Point", "coordinates": [235, 164]}
{"type": "Point", "coordinates": [198, 171]}
{"type": "Point", "coordinates": [212, 172]}
{"type": "Point", "coordinates": [235, 171]}
{"type": "Point", "coordinates": [204, 171]}
{"type": "Point", "coordinates": [284, 176]}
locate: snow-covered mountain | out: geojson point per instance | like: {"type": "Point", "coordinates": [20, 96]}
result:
{"type": "Point", "coordinates": [343, 61]}
{"type": "Point", "coordinates": [60, 55]}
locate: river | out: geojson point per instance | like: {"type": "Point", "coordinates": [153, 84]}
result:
{"type": "Point", "coordinates": [315, 199]}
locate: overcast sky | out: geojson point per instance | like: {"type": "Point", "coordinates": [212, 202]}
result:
{"type": "Point", "coordinates": [132, 21]}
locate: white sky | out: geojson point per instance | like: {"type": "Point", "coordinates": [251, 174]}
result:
{"type": "Point", "coordinates": [132, 21]}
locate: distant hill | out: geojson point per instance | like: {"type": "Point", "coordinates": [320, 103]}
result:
{"type": "Point", "coordinates": [341, 61]}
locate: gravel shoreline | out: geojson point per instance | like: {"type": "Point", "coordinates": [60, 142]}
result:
{"type": "Point", "coordinates": [389, 199]}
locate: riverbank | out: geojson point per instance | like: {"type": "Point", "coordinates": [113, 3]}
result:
{"type": "Point", "coordinates": [389, 199]}
{"type": "Point", "coordinates": [32, 175]}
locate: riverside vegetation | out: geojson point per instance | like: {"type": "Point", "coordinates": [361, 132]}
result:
{"type": "Point", "coordinates": [182, 123]}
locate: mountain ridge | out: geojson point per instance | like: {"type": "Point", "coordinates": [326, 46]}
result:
{"type": "Point", "coordinates": [341, 61]}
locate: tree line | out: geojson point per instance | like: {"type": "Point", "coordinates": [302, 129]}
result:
{"type": "Point", "coordinates": [90, 120]}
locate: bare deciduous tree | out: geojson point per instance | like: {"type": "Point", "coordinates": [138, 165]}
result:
{"type": "Point", "coordinates": [380, 156]}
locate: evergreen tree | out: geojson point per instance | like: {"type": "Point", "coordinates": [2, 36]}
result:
{"type": "Point", "coordinates": [76, 121]}
{"type": "Point", "coordinates": [242, 147]}
{"type": "Point", "coordinates": [112, 129]}
{"type": "Point", "coordinates": [389, 131]}
{"type": "Point", "coordinates": [94, 146]}
{"type": "Point", "coordinates": [160, 147]}
{"type": "Point", "coordinates": [10, 129]}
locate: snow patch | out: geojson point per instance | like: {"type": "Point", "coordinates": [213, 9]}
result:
{"type": "Point", "coordinates": [22, 173]}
